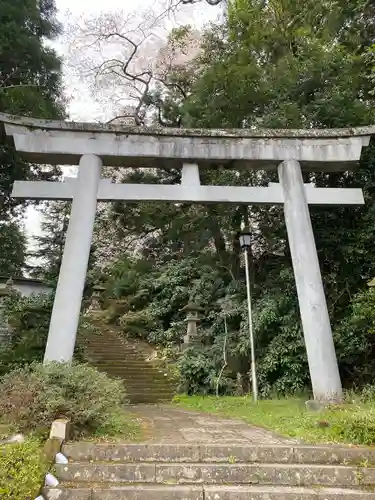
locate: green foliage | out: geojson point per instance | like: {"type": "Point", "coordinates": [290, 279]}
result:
{"type": "Point", "coordinates": [355, 339]}
{"type": "Point", "coordinates": [30, 79]}
{"type": "Point", "coordinates": [141, 324]}
{"type": "Point", "coordinates": [28, 319]}
{"type": "Point", "coordinates": [197, 372]}
{"type": "Point", "coordinates": [30, 69]}
{"type": "Point", "coordinates": [13, 245]}
{"type": "Point", "coordinates": [30, 85]}
{"type": "Point", "coordinates": [343, 424]}
{"type": "Point", "coordinates": [50, 245]}
{"type": "Point", "coordinates": [281, 64]}
{"type": "Point", "coordinates": [34, 395]}
{"type": "Point", "coordinates": [22, 468]}
{"type": "Point", "coordinates": [354, 425]}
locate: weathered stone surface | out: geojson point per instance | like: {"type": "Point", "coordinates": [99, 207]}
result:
{"type": "Point", "coordinates": [132, 452]}
{"type": "Point", "coordinates": [282, 493]}
{"type": "Point", "coordinates": [144, 381]}
{"type": "Point", "coordinates": [315, 405]}
{"type": "Point", "coordinates": [59, 142]}
{"type": "Point", "coordinates": [339, 455]}
{"type": "Point", "coordinates": [246, 453]}
{"type": "Point", "coordinates": [51, 448]}
{"type": "Point", "coordinates": [14, 438]}
{"type": "Point", "coordinates": [38, 123]}
{"type": "Point", "coordinates": [177, 465]}
{"type": "Point", "coordinates": [60, 429]}
{"type": "Point", "coordinates": [67, 494]}
{"type": "Point", "coordinates": [168, 424]}
{"type": "Point", "coordinates": [109, 473]}
{"type": "Point", "coordinates": [149, 493]}
{"type": "Point", "coordinates": [213, 452]}
{"type": "Point", "coordinates": [227, 492]}
{"type": "Point", "coordinates": [286, 474]}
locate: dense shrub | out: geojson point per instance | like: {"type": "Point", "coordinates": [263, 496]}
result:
{"type": "Point", "coordinates": [356, 426]}
{"type": "Point", "coordinates": [197, 372]}
{"type": "Point", "coordinates": [139, 324]}
{"type": "Point", "coordinates": [22, 467]}
{"type": "Point", "coordinates": [29, 319]}
{"type": "Point", "coordinates": [355, 340]}
{"type": "Point", "coordinates": [33, 396]}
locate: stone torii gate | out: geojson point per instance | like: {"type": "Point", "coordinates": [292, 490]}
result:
{"type": "Point", "coordinates": [289, 151]}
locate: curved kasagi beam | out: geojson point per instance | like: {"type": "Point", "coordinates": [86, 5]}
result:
{"type": "Point", "coordinates": [59, 142]}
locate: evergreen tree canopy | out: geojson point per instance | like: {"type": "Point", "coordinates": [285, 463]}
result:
{"type": "Point", "coordinates": [30, 81]}
{"type": "Point", "coordinates": [30, 84]}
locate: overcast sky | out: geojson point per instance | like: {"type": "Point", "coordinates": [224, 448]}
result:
{"type": "Point", "coordinates": [82, 107]}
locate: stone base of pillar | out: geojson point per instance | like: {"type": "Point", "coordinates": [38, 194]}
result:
{"type": "Point", "coordinates": [319, 406]}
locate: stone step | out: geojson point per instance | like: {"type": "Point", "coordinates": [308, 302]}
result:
{"type": "Point", "coordinates": [145, 392]}
{"type": "Point", "coordinates": [138, 398]}
{"type": "Point", "coordinates": [225, 474]}
{"type": "Point", "coordinates": [145, 382]}
{"type": "Point", "coordinates": [151, 383]}
{"type": "Point", "coordinates": [131, 364]}
{"type": "Point", "coordinates": [141, 370]}
{"type": "Point", "coordinates": [245, 453]}
{"type": "Point", "coordinates": [132, 368]}
{"type": "Point", "coordinates": [178, 492]}
{"type": "Point", "coordinates": [119, 356]}
{"type": "Point", "coordinates": [137, 389]}
{"type": "Point", "coordinates": [114, 349]}
{"type": "Point", "coordinates": [138, 377]}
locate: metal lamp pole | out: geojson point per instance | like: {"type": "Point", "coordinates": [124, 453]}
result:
{"type": "Point", "coordinates": [245, 242]}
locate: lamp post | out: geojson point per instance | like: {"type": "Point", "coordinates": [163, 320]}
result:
{"type": "Point", "coordinates": [245, 243]}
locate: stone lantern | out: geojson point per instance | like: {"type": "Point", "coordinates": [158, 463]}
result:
{"type": "Point", "coordinates": [192, 318]}
{"type": "Point", "coordinates": [95, 302]}
{"type": "Point", "coordinates": [4, 326]}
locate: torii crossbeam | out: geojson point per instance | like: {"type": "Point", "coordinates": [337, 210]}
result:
{"type": "Point", "coordinates": [92, 145]}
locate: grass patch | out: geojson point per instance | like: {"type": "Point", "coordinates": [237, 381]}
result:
{"type": "Point", "coordinates": [122, 426]}
{"type": "Point", "coordinates": [347, 423]}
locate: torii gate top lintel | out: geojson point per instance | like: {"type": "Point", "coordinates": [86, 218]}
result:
{"type": "Point", "coordinates": [64, 143]}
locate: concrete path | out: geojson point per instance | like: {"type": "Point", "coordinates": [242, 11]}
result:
{"type": "Point", "coordinates": [166, 424]}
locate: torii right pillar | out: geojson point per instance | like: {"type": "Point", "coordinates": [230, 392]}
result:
{"type": "Point", "coordinates": [321, 355]}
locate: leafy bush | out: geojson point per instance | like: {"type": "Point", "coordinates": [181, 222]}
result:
{"type": "Point", "coordinates": [35, 395]}
{"type": "Point", "coordinates": [355, 340]}
{"type": "Point", "coordinates": [356, 426]}
{"type": "Point", "coordinates": [29, 319]}
{"type": "Point", "coordinates": [22, 467]}
{"type": "Point", "coordinates": [139, 324]}
{"type": "Point", "coordinates": [197, 372]}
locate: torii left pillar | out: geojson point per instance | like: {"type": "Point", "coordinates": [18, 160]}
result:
{"type": "Point", "coordinates": [67, 305]}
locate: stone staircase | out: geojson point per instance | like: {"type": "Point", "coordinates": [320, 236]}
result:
{"type": "Point", "coordinates": [214, 472]}
{"type": "Point", "coordinates": [145, 380]}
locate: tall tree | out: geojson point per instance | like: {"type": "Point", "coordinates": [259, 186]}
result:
{"type": "Point", "coordinates": [30, 84]}
{"type": "Point", "coordinates": [13, 249]}
{"type": "Point", "coordinates": [50, 245]}
{"type": "Point", "coordinates": [30, 80]}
